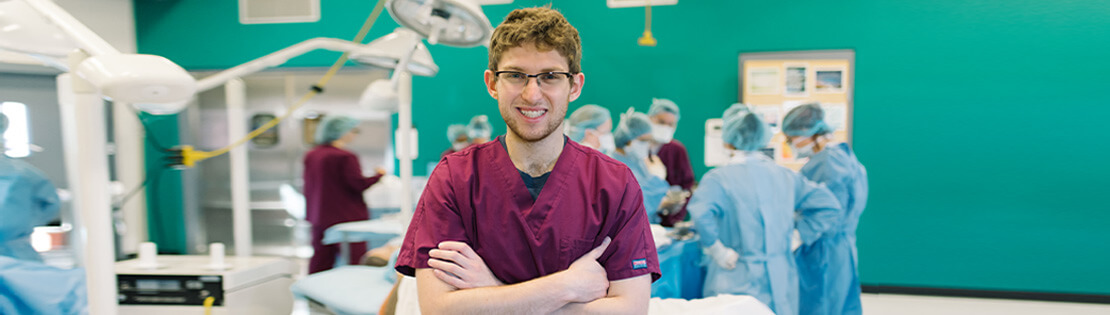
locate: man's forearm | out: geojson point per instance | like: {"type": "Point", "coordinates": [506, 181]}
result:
{"type": "Point", "coordinates": [628, 296]}
{"type": "Point", "coordinates": [540, 295]}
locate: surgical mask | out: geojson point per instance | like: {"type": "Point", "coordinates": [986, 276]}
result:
{"type": "Point", "coordinates": [662, 133]}
{"type": "Point", "coordinates": [802, 152]}
{"type": "Point", "coordinates": [608, 145]}
{"type": "Point", "coordinates": [638, 149]}
{"type": "Point", "coordinates": [458, 146]}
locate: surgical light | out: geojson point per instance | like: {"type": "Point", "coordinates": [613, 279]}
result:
{"type": "Point", "coordinates": [458, 23]}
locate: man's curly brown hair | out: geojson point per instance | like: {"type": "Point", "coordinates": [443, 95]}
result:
{"type": "Point", "coordinates": [543, 27]}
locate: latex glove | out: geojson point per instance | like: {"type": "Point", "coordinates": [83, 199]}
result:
{"type": "Point", "coordinates": [795, 241]}
{"type": "Point", "coordinates": [655, 167]}
{"type": "Point", "coordinates": [723, 256]}
{"type": "Point", "coordinates": [455, 263]}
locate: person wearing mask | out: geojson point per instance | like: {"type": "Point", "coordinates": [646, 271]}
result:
{"type": "Point", "coordinates": [633, 138]}
{"type": "Point", "coordinates": [828, 268]}
{"type": "Point", "coordinates": [27, 200]}
{"type": "Point", "coordinates": [745, 213]}
{"type": "Point", "coordinates": [333, 187]}
{"type": "Point", "coordinates": [592, 126]}
{"type": "Point", "coordinates": [479, 130]}
{"type": "Point", "coordinates": [531, 222]}
{"type": "Point", "coordinates": [456, 134]}
{"type": "Point", "coordinates": [27, 286]}
{"type": "Point", "coordinates": [664, 116]}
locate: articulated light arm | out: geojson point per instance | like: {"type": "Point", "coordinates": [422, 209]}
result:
{"type": "Point", "coordinates": [276, 59]}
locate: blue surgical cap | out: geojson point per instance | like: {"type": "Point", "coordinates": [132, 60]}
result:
{"type": "Point", "coordinates": [735, 109]}
{"type": "Point", "coordinates": [587, 117]}
{"type": "Point", "coordinates": [662, 105]}
{"type": "Point", "coordinates": [805, 121]}
{"type": "Point", "coordinates": [479, 127]}
{"type": "Point", "coordinates": [454, 131]}
{"type": "Point", "coordinates": [632, 126]}
{"type": "Point", "coordinates": [746, 132]}
{"type": "Point", "coordinates": [334, 127]}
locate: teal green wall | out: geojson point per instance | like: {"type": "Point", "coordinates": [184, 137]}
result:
{"type": "Point", "coordinates": [165, 212]}
{"type": "Point", "coordinates": [973, 117]}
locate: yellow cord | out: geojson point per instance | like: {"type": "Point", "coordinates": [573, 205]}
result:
{"type": "Point", "coordinates": [191, 156]}
{"type": "Point", "coordinates": [208, 301]}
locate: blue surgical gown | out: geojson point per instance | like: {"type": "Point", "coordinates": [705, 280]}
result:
{"type": "Point", "coordinates": [27, 199]}
{"type": "Point", "coordinates": [653, 187]}
{"type": "Point", "coordinates": [827, 269]}
{"type": "Point", "coordinates": [752, 206]}
{"type": "Point", "coordinates": [28, 287]}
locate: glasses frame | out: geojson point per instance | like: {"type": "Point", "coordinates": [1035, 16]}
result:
{"type": "Point", "coordinates": [528, 77]}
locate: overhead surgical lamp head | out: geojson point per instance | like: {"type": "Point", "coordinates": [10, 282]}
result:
{"type": "Point", "coordinates": [151, 83]}
{"type": "Point", "coordinates": [459, 23]}
{"type": "Point", "coordinates": [403, 46]}
{"type": "Point", "coordinates": [388, 51]}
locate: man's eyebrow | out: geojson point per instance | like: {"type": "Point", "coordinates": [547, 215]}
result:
{"type": "Point", "coordinates": [513, 68]}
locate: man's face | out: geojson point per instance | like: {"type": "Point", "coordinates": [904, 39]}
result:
{"type": "Point", "coordinates": [666, 119]}
{"type": "Point", "coordinates": [533, 111]}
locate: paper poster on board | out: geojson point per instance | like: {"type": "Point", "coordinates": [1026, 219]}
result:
{"type": "Point", "coordinates": [796, 81]}
{"type": "Point", "coordinates": [829, 80]}
{"type": "Point", "coordinates": [763, 81]}
{"type": "Point", "coordinates": [771, 114]}
{"type": "Point", "coordinates": [836, 115]}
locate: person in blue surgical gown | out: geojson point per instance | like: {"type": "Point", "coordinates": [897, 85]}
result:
{"type": "Point", "coordinates": [745, 213]}
{"type": "Point", "coordinates": [27, 286]}
{"type": "Point", "coordinates": [592, 126]}
{"type": "Point", "coordinates": [27, 200]}
{"type": "Point", "coordinates": [827, 269]}
{"type": "Point", "coordinates": [633, 139]}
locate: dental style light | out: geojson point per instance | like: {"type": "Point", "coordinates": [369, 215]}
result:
{"type": "Point", "coordinates": [458, 23]}
{"type": "Point", "coordinates": [151, 83]}
{"type": "Point", "coordinates": [401, 51]}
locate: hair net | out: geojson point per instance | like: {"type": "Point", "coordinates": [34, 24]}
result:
{"type": "Point", "coordinates": [588, 117]}
{"type": "Point", "coordinates": [479, 127]}
{"type": "Point", "coordinates": [454, 131]}
{"type": "Point", "coordinates": [805, 120]}
{"type": "Point", "coordinates": [746, 132]}
{"type": "Point", "coordinates": [334, 127]}
{"type": "Point", "coordinates": [662, 105]}
{"type": "Point", "coordinates": [632, 126]}
{"type": "Point", "coordinates": [736, 108]}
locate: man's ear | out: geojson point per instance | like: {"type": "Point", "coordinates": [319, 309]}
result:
{"type": "Point", "coordinates": [491, 83]}
{"type": "Point", "coordinates": [576, 86]}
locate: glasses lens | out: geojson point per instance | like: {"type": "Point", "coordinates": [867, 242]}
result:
{"type": "Point", "coordinates": [514, 78]}
{"type": "Point", "coordinates": [553, 79]}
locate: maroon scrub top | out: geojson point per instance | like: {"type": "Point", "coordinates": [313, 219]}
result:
{"type": "Point", "coordinates": [333, 186]}
{"type": "Point", "coordinates": [679, 173]}
{"type": "Point", "coordinates": [477, 196]}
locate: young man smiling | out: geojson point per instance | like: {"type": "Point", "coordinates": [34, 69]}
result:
{"type": "Point", "coordinates": [531, 222]}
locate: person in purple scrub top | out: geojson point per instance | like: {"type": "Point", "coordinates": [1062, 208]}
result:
{"type": "Point", "coordinates": [664, 116]}
{"type": "Point", "coordinates": [531, 222]}
{"type": "Point", "coordinates": [333, 186]}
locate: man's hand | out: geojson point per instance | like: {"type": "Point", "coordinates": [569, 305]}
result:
{"type": "Point", "coordinates": [379, 170]}
{"type": "Point", "coordinates": [586, 278]}
{"type": "Point", "coordinates": [455, 263]}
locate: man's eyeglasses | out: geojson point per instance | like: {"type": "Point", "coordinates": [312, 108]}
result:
{"type": "Point", "coordinates": [545, 80]}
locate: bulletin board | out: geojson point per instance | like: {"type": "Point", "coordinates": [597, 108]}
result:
{"type": "Point", "coordinates": [772, 84]}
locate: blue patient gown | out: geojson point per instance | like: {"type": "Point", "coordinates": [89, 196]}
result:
{"type": "Point", "coordinates": [653, 188]}
{"type": "Point", "coordinates": [28, 287]}
{"type": "Point", "coordinates": [827, 269]}
{"type": "Point", "coordinates": [753, 206]}
{"type": "Point", "coordinates": [27, 199]}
